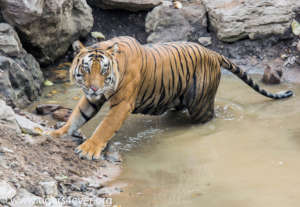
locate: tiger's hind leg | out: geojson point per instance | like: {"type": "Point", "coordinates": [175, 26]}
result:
{"type": "Point", "coordinates": [202, 113]}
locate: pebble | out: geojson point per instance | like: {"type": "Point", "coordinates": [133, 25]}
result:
{"type": "Point", "coordinates": [205, 41]}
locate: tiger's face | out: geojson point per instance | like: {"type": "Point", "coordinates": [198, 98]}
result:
{"type": "Point", "coordinates": [95, 71]}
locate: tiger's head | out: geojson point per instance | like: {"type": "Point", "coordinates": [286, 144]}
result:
{"type": "Point", "coordinates": [95, 70]}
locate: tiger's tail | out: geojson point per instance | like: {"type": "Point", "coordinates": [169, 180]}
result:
{"type": "Point", "coordinates": [245, 77]}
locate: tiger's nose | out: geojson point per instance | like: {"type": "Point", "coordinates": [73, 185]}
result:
{"type": "Point", "coordinates": [94, 88]}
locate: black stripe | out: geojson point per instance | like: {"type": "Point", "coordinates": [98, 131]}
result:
{"type": "Point", "coordinates": [86, 118]}
{"type": "Point", "coordinates": [95, 107]}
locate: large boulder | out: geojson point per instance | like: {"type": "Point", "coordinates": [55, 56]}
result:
{"type": "Point", "coordinates": [166, 23]}
{"type": "Point", "coordinates": [20, 75]}
{"type": "Point", "coordinates": [48, 27]}
{"type": "Point", "coordinates": [239, 19]}
{"type": "Point", "coordinates": [131, 5]}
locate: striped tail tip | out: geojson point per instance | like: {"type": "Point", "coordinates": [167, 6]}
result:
{"type": "Point", "coordinates": [284, 94]}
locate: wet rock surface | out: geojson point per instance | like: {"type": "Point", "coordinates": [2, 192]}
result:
{"type": "Point", "coordinates": [131, 5]}
{"type": "Point", "coordinates": [272, 75]}
{"type": "Point", "coordinates": [48, 27]}
{"type": "Point", "coordinates": [20, 74]}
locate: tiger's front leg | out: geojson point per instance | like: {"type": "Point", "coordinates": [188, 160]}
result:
{"type": "Point", "coordinates": [83, 111]}
{"type": "Point", "coordinates": [92, 148]}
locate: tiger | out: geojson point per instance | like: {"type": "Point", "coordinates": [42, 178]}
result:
{"type": "Point", "coordinates": [147, 79]}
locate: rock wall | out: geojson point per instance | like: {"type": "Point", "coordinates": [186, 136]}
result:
{"type": "Point", "coordinates": [233, 20]}
{"type": "Point", "coordinates": [20, 75]}
{"type": "Point", "coordinates": [48, 27]}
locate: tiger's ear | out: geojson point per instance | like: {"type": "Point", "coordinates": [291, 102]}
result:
{"type": "Point", "coordinates": [114, 49]}
{"type": "Point", "coordinates": [77, 46]}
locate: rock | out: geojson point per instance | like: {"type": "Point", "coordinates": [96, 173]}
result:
{"type": "Point", "coordinates": [98, 35]}
{"type": "Point", "coordinates": [7, 117]}
{"type": "Point", "coordinates": [7, 191]}
{"type": "Point", "coordinates": [20, 74]}
{"type": "Point", "coordinates": [112, 153]}
{"type": "Point", "coordinates": [29, 127]}
{"type": "Point", "coordinates": [50, 187]}
{"type": "Point", "coordinates": [205, 41]}
{"type": "Point", "coordinates": [165, 23]}
{"type": "Point", "coordinates": [9, 41]}
{"type": "Point", "coordinates": [234, 19]}
{"type": "Point", "coordinates": [131, 5]}
{"type": "Point", "coordinates": [272, 75]}
{"type": "Point", "coordinates": [44, 109]}
{"type": "Point", "coordinates": [24, 198]}
{"type": "Point", "coordinates": [62, 114]}
{"type": "Point", "coordinates": [298, 46]}
{"type": "Point", "coordinates": [48, 27]}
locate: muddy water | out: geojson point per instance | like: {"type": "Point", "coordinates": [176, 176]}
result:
{"type": "Point", "coordinates": [249, 155]}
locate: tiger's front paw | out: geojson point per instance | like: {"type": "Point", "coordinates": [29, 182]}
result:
{"type": "Point", "coordinates": [90, 149]}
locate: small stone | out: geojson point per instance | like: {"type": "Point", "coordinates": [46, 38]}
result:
{"type": "Point", "coordinates": [62, 114]}
{"type": "Point", "coordinates": [7, 191]}
{"type": "Point", "coordinates": [205, 41]}
{"type": "Point", "coordinates": [48, 83]}
{"type": "Point", "coordinates": [50, 187]}
{"type": "Point", "coordinates": [98, 35]}
{"type": "Point", "coordinates": [44, 109]}
{"type": "Point", "coordinates": [295, 27]}
{"type": "Point", "coordinates": [5, 150]}
{"type": "Point", "coordinates": [272, 75]}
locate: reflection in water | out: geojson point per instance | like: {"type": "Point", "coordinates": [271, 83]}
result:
{"type": "Point", "coordinates": [249, 155]}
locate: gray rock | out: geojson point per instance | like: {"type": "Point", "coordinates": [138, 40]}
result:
{"type": "Point", "coordinates": [49, 26]}
{"type": "Point", "coordinates": [20, 74]}
{"type": "Point", "coordinates": [205, 41]}
{"type": "Point", "coordinates": [131, 5]}
{"type": "Point", "coordinates": [50, 187]}
{"type": "Point", "coordinates": [7, 191]}
{"type": "Point", "coordinates": [24, 198]}
{"type": "Point", "coordinates": [272, 74]}
{"type": "Point", "coordinates": [7, 117]}
{"type": "Point", "coordinates": [20, 80]}
{"type": "Point", "coordinates": [29, 127]}
{"type": "Point", "coordinates": [165, 23]}
{"type": "Point", "coordinates": [235, 20]}
{"type": "Point", "coordinates": [9, 41]}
